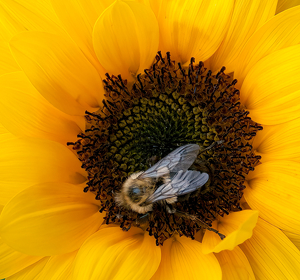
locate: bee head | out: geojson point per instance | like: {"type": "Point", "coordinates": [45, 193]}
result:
{"type": "Point", "coordinates": [136, 193]}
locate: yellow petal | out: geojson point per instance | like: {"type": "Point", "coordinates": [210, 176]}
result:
{"type": "Point", "coordinates": [271, 254]}
{"type": "Point", "coordinates": [81, 16]}
{"type": "Point", "coordinates": [30, 272]}
{"type": "Point", "coordinates": [182, 258]}
{"type": "Point", "coordinates": [24, 162]}
{"type": "Point", "coordinates": [59, 71]}
{"type": "Point", "coordinates": [191, 28]}
{"type": "Point", "coordinates": [286, 4]}
{"type": "Point", "coordinates": [272, 85]}
{"type": "Point", "coordinates": [7, 62]}
{"type": "Point", "coordinates": [279, 142]}
{"type": "Point", "coordinates": [5, 135]}
{"type": "Point", "coordinates": [114, 254]}
{"type": "Point", "coordinates": [25, 112]}
{"type": "Point", "coordinates": [281, 31]}
{"type": "Point", "coordinates": [273, 189]}
{"type": "Point", "coordinates": [235, 265]}
{"type": "Point", "coordinates": [247, 17]}
{"type": "Point", "coordinates": [12, 261]}
{"type": "Point", "coordinates": [295, 238]}
{"type": "Point", "coordinates": [125, 38]}
{"type": "Point", "coordinates": [49, 219]}
{"type": "Point", "coordinates": [155, 5]}
{"type": "Point", "coordinates": [237, 227]}
{"type": "Point", "coordinates": [79, 22]}
{"type": "Point", "coordinates": [27, 15]}
{"type": "Point", "coordinates": [58, 267]}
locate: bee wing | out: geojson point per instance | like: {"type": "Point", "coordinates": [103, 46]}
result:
{"type": "Point", "coordinates": [180, 159]}
{"type": "Point", "coordinates": [183, 182]}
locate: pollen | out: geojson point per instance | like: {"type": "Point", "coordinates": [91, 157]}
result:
{"type": "Point", "coordinates": [169, 106]}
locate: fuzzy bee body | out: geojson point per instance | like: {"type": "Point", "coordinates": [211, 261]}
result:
{"type": "Point", "coordinates": [164, 182]}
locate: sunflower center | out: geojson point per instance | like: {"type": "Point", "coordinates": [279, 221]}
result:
{"type": "Point", "coordinates": [167, 107]}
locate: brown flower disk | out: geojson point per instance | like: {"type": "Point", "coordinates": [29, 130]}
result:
{"type": "Point", "coordinates": [169, 106]}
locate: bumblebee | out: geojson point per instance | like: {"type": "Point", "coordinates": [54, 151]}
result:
{"type": "Point", "coordinates": [164, 182]}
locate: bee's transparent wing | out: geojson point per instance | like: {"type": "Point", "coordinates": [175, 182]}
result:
{"type": "Point", "coordinates": [182, 183]}
{"type": "Point", "coordinates": [180, 159]}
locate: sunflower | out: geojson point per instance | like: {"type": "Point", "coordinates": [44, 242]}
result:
{"type": "Point", "coordinates": [95, 91]}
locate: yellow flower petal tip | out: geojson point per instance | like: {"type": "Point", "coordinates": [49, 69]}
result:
{"type": "Point", "coordinates": [193, 28]}
{"type": "Point", "coordinates": [47, 60]}
{"type": "Point", "coordinates": [125, 38]}
{"type": "Point", "coordinates": [49, 219]}
{"type": "Point", "coordinates": [111, 253]}
{"type": "Point", "coordinates": [237, 227]}
{"type": "Point", "coordinates": [182, 258]}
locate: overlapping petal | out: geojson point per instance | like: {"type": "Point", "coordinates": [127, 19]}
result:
{"type": "Point", "coordinates": [271, 254]}
{"type": "Point", "coordinates": [59, 71]}
{"type": "Point", "coordinates": [247, 17]}
{"type": "Point", "coordinates": [182, 258]}
{"type": "Point", "coordinates": [294, 237]}
{"type": "Point", "coordinates": [79, 22]}
{"type": "Point", "coordinates": [235, 265]}
{"type": "Point", "coordinates": [5, 135]}
{"type": "Point", "coordinates": [27, 15]}
{"type": "Point", "coordinates": [265, 92]}
{"type": "Point", "coordinates": [125, 38]}
{"type": "Point", "coordinates": [31, 271]}
{"type": "Point", "coordinates": [286, 4]}
{"type": "Point", "coordinates": [25, 162]}
{"type": "Point", "coordinates": [25, 112]}
{"type": "Point", "coordinates": [273, 189]}
{"type": "Point", "coordinates": [281, 31]}
{"type": "Point", "coordinates": [237, 227]}
{"type": "Point", "coordinates": [192, 28]}
{"type": "Point", "coordinates": [7, 62]}
{"type": "Point", "coordinates": [12, 261]}
{"type": "Point", "coordinates": [279, 142]}
{"type": "Point", "coordinates": [49, 219]}
{"type": "Point", "coordinates": [58, 267]}
{"type": "Point", "coordinates": [112, 253]}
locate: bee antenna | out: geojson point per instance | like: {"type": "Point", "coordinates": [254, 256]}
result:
{"type": "Point", "coordinates": [211, 146]}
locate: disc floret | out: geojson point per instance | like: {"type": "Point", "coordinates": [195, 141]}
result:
{"type": "Point", "coordinates": [167, 107]}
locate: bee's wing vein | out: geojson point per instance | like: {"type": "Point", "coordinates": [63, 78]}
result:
{"type": "Point", "coordinates": [182, 183]}
{"type": "Point", "coordinates": [180, 159]}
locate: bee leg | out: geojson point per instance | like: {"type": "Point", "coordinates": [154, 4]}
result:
{"type": "Point", "coordinates": [222, 236]}
{"type": "Point", "coordinates": [126, 229]}
{"type": "Point", "coordinates": [204, 167]}
{"type": "Point", "coordinates": [170, 209]}
{"type": "Point", "coordinates": [185, 197]}
{"type": "Point", "coordinates": [151, 161]}
{"type": "Point", "coordinates": [119, 216]}
{"type": "Point", "coordinates": [194, 218]}
{"type": "Point", "coordinates": [143, 219]}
